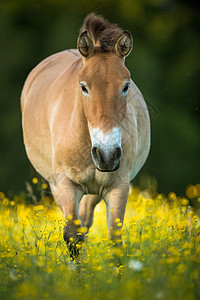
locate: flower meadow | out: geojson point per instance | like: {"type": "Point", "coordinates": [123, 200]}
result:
{"type": "Point", "coordinates": [160, 257]}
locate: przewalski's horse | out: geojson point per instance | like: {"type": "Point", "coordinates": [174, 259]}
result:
{"type": "Point", "coordinates": [86, 126]}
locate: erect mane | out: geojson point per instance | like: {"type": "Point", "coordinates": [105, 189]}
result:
{"type": "Point", "coordinates": [102, 33]}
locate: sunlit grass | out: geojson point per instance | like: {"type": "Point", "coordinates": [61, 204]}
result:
{"type": "Point", "coordinates": [160, 258]}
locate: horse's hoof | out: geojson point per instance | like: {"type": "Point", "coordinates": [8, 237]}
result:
{"type": "Point", "coordinates": [73, 249]}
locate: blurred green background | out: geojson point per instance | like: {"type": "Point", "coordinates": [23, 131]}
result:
{"type": "Point", "coordinates": [164, 64]}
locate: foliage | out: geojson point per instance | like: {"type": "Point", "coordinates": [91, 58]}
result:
{"type": "Point", "coordinates": [159, 258]}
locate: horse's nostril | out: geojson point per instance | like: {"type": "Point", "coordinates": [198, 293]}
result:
{"type": "Point", "coordinates": [96, 152]}
{"type": "Point", "coordinates": [118, 153]}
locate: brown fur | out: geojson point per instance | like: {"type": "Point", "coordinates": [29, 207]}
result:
{"type": "Point", "coordinates": [102, 33]}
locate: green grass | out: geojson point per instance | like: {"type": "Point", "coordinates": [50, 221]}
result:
{"type": "Point", "coordinates": [160, 258]}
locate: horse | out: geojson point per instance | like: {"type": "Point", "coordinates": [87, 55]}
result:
{"type": "Point", "coordinates": [86, 127]}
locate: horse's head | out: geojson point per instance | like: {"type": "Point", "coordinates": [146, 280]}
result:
{"type": "Point", "coordinates": [104, 82]}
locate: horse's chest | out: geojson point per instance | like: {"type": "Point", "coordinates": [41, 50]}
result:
{"type": "Point", "coordinates": [89, 180]}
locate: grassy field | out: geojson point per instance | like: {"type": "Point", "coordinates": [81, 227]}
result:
{"type": "Point", "coordinates": [160, 258]}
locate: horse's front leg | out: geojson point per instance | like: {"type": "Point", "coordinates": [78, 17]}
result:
{"type": "Point", "coordinates": [116, 200]}
{"type": "Point", "coordinates": [68, 196]}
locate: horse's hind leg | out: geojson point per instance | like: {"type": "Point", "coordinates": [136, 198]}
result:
{"type": "Point", "coordinates": [86, 208]}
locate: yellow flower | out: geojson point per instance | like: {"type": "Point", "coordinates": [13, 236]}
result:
{"type": "Point", "coordinates": [2, 195]}
{"type": "Point", "coordinates": [34, 180]}
{"type": "Point", "coordinates": [157, 232]}
{"type": "Point", "coordinates": [44, 186]}
{"type": "Point", "coordinates": [82, 230]}
{"type": "Point", "coordinates": [191, 191]}
{"type": "Point", "coordinates": [117, 232]}
{"type": "Point", "coordinates": [172, 196]}
{"type": "Point", "coordinates": [5, 201]}
{"type": "Point", "coordinates": [69, 217]}
{"type": "Point", "coordinates": [185, 202]}
{"type": "Point", "coordinates": [77, 222]}
{"type": "Point", "coordinates": [119, 224]}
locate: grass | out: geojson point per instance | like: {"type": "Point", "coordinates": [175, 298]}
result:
{"type": "Point", "coordinates": [160, 258]}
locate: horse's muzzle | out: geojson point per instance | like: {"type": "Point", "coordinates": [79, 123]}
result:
{"type": "Point", "coordinates": [106, 161]}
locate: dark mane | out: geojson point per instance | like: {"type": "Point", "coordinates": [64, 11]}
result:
{"type": "Point", "coordinates": [102, 33]}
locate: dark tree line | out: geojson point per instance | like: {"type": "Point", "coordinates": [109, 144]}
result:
{"type": "Point", "coordinates": [164, 64]}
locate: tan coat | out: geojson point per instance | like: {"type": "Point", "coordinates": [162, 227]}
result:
{"type": "Point", "coordinates": [61, 122]}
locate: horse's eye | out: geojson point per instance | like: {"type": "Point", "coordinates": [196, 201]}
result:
{"type": "Point", "coordinates": [84, 90]}
{"type": "Point", "coordinates": [125, 89]}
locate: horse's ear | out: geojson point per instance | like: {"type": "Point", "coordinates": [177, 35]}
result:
{"type": "Point", "coordinates": [124, 44]}
{"type": "Point", "coordinates": [85, 45]}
